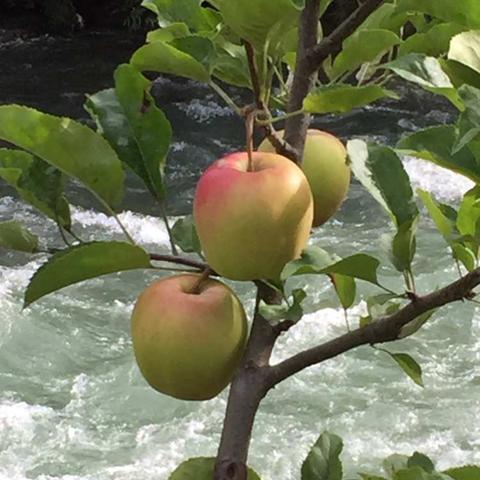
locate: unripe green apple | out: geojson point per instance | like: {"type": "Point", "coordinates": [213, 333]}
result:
{"type": "Point", "coordinates": [187, 345]}
{"type": "Point", "coordinates": [325, 166]}
{"type": "Point", "coordinates": [251, 223]}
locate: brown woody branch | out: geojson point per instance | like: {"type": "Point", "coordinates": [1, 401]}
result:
{"type": "Point", "coordinates": [316, 55]}
{"type": "Point", "coordinates": [310, 56]}
{"type": "Point", "coordinates": [178, 260]}
{"type": "Point", "coordinates": [280, 145]}
{"type": "Point", "coordinates": [384, 330]}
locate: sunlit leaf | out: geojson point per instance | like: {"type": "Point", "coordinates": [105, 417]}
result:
{"type": "Point", "coordinates": [435, 144]}
{"type": "Point", "coordinates": [459, 74]}
{"type": "Point", "coordinates": [403, 245]}
{"type": "Point", "coordinates": [82, 262]}
{"type": "Point", "coordinates": [149, 127]}
{"type": "Point", "coordinates": [394, 463]}
{"type": "Point", "coordinates": [444, 224]}
{"type": "Point", "coordinates": [465, 48]}
{"type": "Point", "coordinates": [426, 72]}
{"type": "Point", "coordinates": [73, 148]}
{"type": "Point", "coordinates": [36, 184]}
{"type": "Point", "coordinates": [312, 260]}
{"type": "Point", "coordinates": [468, 472]}
{"type": "Point", "coordinates": [15, 237]}
{"type": "Point", "coordinates": [183, 11]}
{"type": "Point", "coordinates": [360, 266]}
{"type": "Point", "coordinates": [168, 33]}
{"type": "Point", "coordinates": [164, 58]}
{"type": "Point", "coordinates": [361, 47]}
{"type": "Point", "coordinates": [381, 172]}
{"type": "Point", "coordinates": [263, 23]}
{"type": "Point", "coordinates": [342, 98]}
{"type": "Point", "coordinates": [465, 255]}
{"type": "Point", "coordinates": [409, 366]}
{"type": "Point", "coordinates": [345, 288]}
{"type": "Point", "coordinates": [434, 42]}
{"type": "Point", "coordinates": [323, 461]}
{"type": "Point", "coordinates": [201, 468]}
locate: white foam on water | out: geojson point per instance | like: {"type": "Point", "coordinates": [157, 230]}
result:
{"type": "Point", "coordinates": [443, 183]}
{"type": "Point", "coordinates": [204, 110]}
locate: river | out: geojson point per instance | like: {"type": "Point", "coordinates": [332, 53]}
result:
{"type": "Point", "coordinates": [72, 402]}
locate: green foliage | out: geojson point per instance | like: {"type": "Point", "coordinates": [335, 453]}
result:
{"type": "Point", "coordinates": [469, 472]}
{"type": "Point", "coordinates": [37, 183]}
{"type": "Point", "coordinates": [343, 98]}
{"type": "Point", "coordinates": [15, 237]}
{"type": "Point", "coordinates": [185, 235]}
{"type": "Point", "coordinates": [323, 460]}
{"type": "Point", "coordinates": [408, 365]}
{"type": "Point", "coordinates": [74, 149]}
{"type": "Point", "coordinates": [201, 468]}
{"type": "Point", "coordinates": [82, 262]}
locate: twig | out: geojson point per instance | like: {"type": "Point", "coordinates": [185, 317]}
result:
{"type": "Point", "coordinates": [381, 331]}
{"type": "Point", "coordinates": [178, 260]}
{"type": "Point", "coordinates": [173, 247]}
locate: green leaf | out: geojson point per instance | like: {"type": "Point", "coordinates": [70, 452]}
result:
{"type": "Point", "coordinates": [404, 245]}
{"type": "Point", "coordinates": [82, 262]}
{"type": "Point", "coordinates": [201, 468]}
{"type": "Point", "coordinates": [395, 463]}
{"type": "Point", "coordinates": [435, 144]}
{"type": "Point", "coordinates": [445, 225]}
{"type": "Point", "coordinates": [170, 12]}
{"type": "Point", "coordinates": [465, 48]}
{"type": "Point", "coordinates": [312, 260]}
{"type": "Point", "coordinates": [361, 47]}
{"type": "Point", "coordinates": [465, 255]}
{"type": "Point", "coordinates": [295, 312]}
{"type": "Point", "coordinates": [292, 311]}
{"type": "Point", "coordinates": [323, 461]}
{"type": "Point", "coordinates": [426, 72]}
{"type": "Point", "coordinates": [73, 148]}
{"type": "Point", "coordinates": [345, 288]}
{"type": "Point", "coordinates": [36, 184]}
{"type": "Point", "coordinates": [360, 266]}
{"type": "Point", "coordinates": [469, 121]}
{"type": "Point", "coordinates": [263, 23]}
{"type": "Point", "coordinates": [367, 476]}
{"type": "Point", "coordinates": [415, 325]}
{"type": "Point", "coordinates": [466, 12]}
{"type": "Point", "coordinates": [273, 313]}
{"type": "Point", "coordinates": [13, 236]}
{"type": "Point", "coordinates": [168, 33]}
{"type": "Point", "coordinates": [417, 473]}
{"type": "Point", "coordinates": [341, 98]}
{"type": "Point", "coordinates": [409, 366]}
{"type": "Point", "coordinates": [387, 17]}
{"type": "Point", "coordinates": [185, 235]}
{"type": "Point", "coordinates": [148, 125]}
{"type": "Point", "coordinates": [468, 218]}
{"type": "Point", "coordinates": [468, 472]}
{"type": "Point", "coordinates": [165, 58]}
{"type": "Point", "coordinates": [422, 461]}
{"type": "Point", "coordinates": [381, 172]}
{"type": "Point", "coordinates": [459, 74]}
{"type": "Point", "coordinates": [434, 42]}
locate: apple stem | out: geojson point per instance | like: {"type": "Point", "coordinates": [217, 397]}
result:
{"type": "Point", "coordinates": [249, 123]}
{"type": "Point", "coordinates": [197, 285]}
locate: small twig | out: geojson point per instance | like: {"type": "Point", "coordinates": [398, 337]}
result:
{"type": "Point", "coordinates": [252, 66]}
{"type": "Point", "coordinates": [226, 98]}
{"type": "Point", "coordinates": [173, 247]}
{"type": "Point", "coordinates": [249, 125]}
{"type": "Point", "coordinates": [178, 260]}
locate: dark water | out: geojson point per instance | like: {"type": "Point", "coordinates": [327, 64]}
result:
{"type": "Point", "coordinates": [72, 403]}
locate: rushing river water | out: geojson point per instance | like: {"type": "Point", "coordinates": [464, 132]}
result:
{"type": "Point", "coordinates": [72, 402]}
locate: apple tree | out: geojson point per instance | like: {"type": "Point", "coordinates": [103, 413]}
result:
{"type": "Point", "coordinates": [277, 50]}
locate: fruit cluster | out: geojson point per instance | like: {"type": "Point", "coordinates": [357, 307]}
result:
{"type": "Point", "coordinates": [253, 215]}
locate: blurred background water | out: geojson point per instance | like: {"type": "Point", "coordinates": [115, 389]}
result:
{"type": "Point", "coordinates": [72, 402]}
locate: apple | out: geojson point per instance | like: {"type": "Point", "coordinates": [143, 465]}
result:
{"type": "Point", "coordinates": [188, 342]}
{"type": "Point", "coordinates": [251, 223]}
{"type": "Point", "coordinates": [325, 165]}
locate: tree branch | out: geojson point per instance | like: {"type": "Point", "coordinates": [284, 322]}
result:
{"type": "Point", "coordinates": [304, 78]}
{"type": "Point", "coordinates": [310, 56]}
{"type": "Point", "coordinates": [381, 331]}
{"type": "Point", "coordinates": [316, 55]}
{"type": "Point", "coordinates": [178, 260]}
{"type": "Point", "coordinates": [280, 145]}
